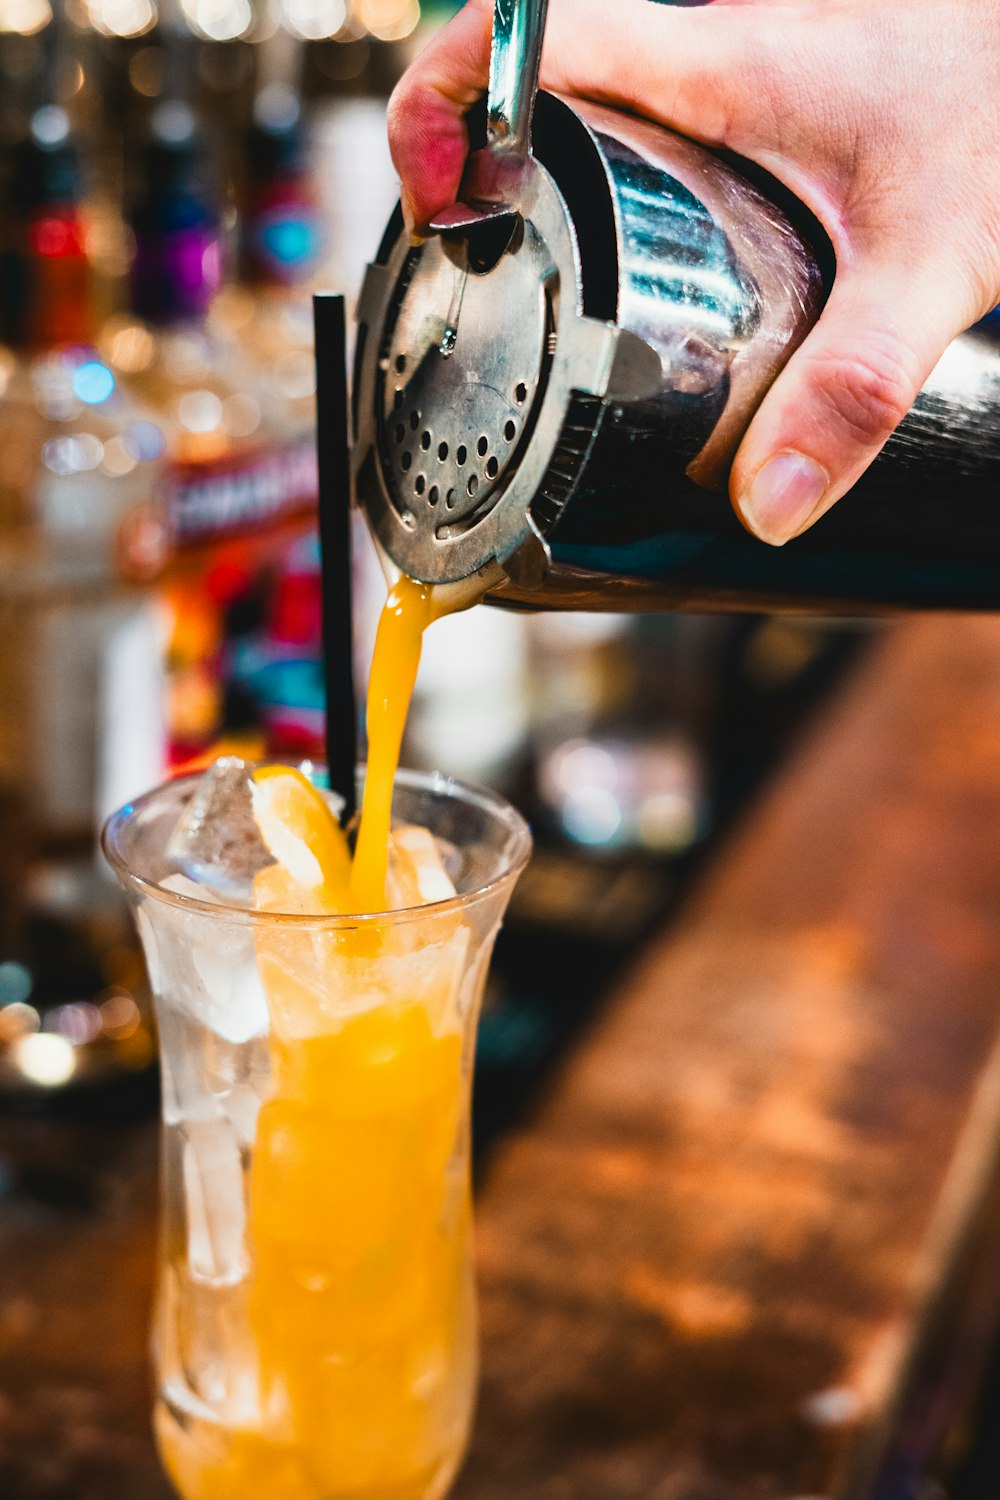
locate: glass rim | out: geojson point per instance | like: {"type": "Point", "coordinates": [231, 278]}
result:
{"type": "Point", "coordinates": [427, 781]}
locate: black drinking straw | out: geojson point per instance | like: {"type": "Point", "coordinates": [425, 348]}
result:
{"type": "Point", "coordinates": [333, 455]}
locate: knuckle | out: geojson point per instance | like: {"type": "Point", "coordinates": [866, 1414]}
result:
{"type": "Point", "coordinates": [868, 391]}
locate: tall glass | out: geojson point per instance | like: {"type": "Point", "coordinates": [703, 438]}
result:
{"type": "Point", "coordinates": [315, 1334]}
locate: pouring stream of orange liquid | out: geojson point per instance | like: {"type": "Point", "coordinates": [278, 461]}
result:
{"type": "Point", "coordinates": [407, 612]}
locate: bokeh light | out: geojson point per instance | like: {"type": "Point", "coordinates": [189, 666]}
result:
{"type": "Point", "coordinates": [146, 440]}
{"type": "Point", "coordinates": [218, 20]}
{"type": "Point", "coordinates": [92, 382]}
{"type": "Point", "coordinates": [145, 72]}
{"type": "Point", "coordinates": [118, 458]}
{"type": "Point", "coordinates": [74, 453]}
{"type": "Point", "coordinates": [45, 1059]}
{"type": "Point", "coordinates": [122, 17]}
{"type": "Point", "coordinates": [128, 344]}
{"type": "Point", "coordinates": [79, 1022]}
{"type": "Point", "coordinates": [314, 20]}
{"type": "Point", "coordinates": [277, 107]}
{"type": "Point", "coordinates": [388, 20]}
{"type": "Point", "coordinates": [17, 1020]}
{"type": "Point", "coordinates": [50, 125]}
{"type": "Point", "coordinates": [120, 1016]}
{"type": "Point", "coordinates": [25, 17]}
{"type": "Point", "coordinates": [16, 983]}
{"type": "Point", "coordinates": [200, 411]}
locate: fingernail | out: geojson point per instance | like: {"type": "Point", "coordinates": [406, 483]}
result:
{"type": "Point", "coordinates": [783, 494]}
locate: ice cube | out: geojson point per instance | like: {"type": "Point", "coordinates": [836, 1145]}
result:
{"type": "Point", "coordinates": [230, 997]}
{"type": "Point", "coordinates": [207, 1355]}
{"type": "Point", "coordinates": [242, 1105]}
{"type": "Point", "coordinates": [214, 1202]}
{"type": "Point", "coordinates": [186, 1092]}
{"type": "Point", "coordinates": [215, 842]}
{"type": "Point", "coordinates": [209, 1077]}
{"type": "Point", "coordinates": [238, 1077]}
{"type": "Point", "coordinates": [205, 966]}
{"type": "Point", "coordinates": [417, 874]}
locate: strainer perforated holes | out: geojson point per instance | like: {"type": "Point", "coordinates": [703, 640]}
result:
{"type": "Point", "coordinates": [465, 398]}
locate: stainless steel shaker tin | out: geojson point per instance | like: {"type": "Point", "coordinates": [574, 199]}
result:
{"type": "Point", "coordinates": [556, 407]}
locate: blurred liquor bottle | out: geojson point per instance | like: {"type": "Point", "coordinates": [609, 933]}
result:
{"type": "Point", "coordinates": [239, 478]}
{"type": "Point", "coordinates": [77, 459]}
{"type": "Point", "coordinates": [350, 80]}
{"type": "Point", "coordinates": [80, 693]}
{"type": "Point", "coordinates": [232, 468]}
{"type": "Point", "coordinates": [263, 320]}
{"type": "Point", "coordinates": [273, 640]}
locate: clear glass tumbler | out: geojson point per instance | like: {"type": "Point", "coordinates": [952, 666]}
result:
{"type": "Point", "coordinates": [315, 1333]}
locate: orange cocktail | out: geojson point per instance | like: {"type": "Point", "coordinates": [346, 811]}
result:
{"type": "Point", "coordinates": [316, 1322]}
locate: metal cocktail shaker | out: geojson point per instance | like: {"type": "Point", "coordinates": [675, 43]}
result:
{"type": "Point", "coordinates": [550, 390]}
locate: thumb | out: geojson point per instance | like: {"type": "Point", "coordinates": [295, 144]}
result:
{"type": "Point", "coordinates": [427, 132]}
{"type": "Point", "coordinates": [842, 395]}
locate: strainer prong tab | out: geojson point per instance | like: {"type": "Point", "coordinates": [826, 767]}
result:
{"type": "Point", "coordinates": [491, 189]}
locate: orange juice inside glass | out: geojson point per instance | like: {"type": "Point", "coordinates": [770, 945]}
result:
{"type": "Point", "coordinates": [315, 1334]}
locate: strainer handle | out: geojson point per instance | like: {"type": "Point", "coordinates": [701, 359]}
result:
{"type": "Point", "coordinates": [515, 59]}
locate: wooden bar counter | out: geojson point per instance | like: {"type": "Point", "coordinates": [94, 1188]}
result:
{"type": "Point", "coordinates": [748, 1248]}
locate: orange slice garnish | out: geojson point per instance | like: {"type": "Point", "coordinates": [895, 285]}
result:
{"type": "Point", "coordinates": [300, 830]}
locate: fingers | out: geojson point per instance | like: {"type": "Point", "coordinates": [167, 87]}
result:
{"type": "Point", "coordinates": [678, 66]}
{"type": "Point", "coordinates": [841, 396]}
{"type": "Point", "coordinates": [689, 69]}
{"type": "Point", "coordinates": [427, 134]}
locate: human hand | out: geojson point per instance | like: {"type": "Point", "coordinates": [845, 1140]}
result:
{"type": "Point", "coordinates": [883, 118]}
